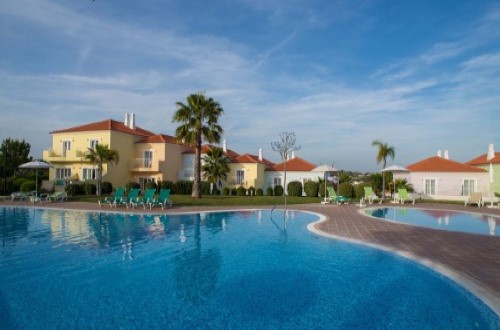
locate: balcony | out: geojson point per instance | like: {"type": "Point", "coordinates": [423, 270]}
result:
{"type": "Point", "coordinates": [144, 165]}
{"type": "Point", "coordinates": [69, 156]}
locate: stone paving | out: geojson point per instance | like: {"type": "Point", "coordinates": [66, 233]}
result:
{"type": "Point", "coordinates": [472, 260]}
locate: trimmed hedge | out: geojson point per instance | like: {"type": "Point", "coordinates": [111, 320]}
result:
{"type": "Point", "coordinates": [151, 185]}
{"type": "Point", "coordinates": [28, 186]}
{"type": "Point", "coordinates": [226, 191]}
{"type": "Point", "coordinates": [205, 188]}
{"type": "Point", "coordinates": [259, 192]}
{"type": "Point", "coordinates": [311, 188]}
{"type": "Point", "coordinates": [89, 188]}
{"type": "Point", "coordinates": [294, 188]}
{"type": "Point", "coordinates": [74, 189]}
{"type": "Point", "coordinates": [278, 190]}
{"type": "Point", "coordinates": [359, 191]}
{"type": "Point", "coordinates": [131, 185]}
{"type": "Point", "coordinates": [241, 191]}
{"type": "Point", "coordinates": [346, 190]}
{"type": "Point", "coordinates": [183, 187]}
{"type": "Point", "coordinates": [106, 187]}
{"type": "Point", "coordinates": [166, 185]}
{"type": "Point", "coordinates": [234, 191]}
{"type": "Point", "coordinates": [269, 191]}
{"type": "Point", "coordinates": [251, 191]}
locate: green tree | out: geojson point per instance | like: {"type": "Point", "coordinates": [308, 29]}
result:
{"type": "Point", "coordinates": [384, 151]}
{"type": "Point", "coordinates": [100, 155]}
{"type": "Point", "coordinates": [198, 119]}
{"type": "Point", "coordinates": [12, 154]}
{"type": "Point", "coordinates": [215, 166]}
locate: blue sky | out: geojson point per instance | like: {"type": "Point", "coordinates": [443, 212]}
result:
{"type": "Point", "coordinates": [419, 75]}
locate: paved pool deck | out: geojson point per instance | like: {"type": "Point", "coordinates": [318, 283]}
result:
{"type": "Point", "coordinates": [471, 260]}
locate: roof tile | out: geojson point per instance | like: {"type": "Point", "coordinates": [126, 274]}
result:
{"type": "Point", "coordinates": [296, 164]}
{"type": "Point", "coordinates": [481, 160]}
{"type": "Point", "coordinates": [440, 164]}
{"type": "Point", "coordinates": [106, 125]}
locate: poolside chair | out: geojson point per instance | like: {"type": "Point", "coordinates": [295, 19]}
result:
{"type": "Point", "coordinates": [404, 196]}
{"type": "Point", "coordinates": [162, 200]}
{"type": "Point", "coordinates": [146, 199]}
{"type": "Point", "coordinates": [332, 197]}
{"type": "Point", "coordinates": [58, 196]}
{"type": "Point", "coordinates": [21, 196]}
{"type": "Point", "coordinates": [133, 197]}
{"type": "Point", "coordinates": [475, 198]}
{"type": "Point", "coordinates": [370, 195]}
{"type": "Point", "coordinates": [112, 200]}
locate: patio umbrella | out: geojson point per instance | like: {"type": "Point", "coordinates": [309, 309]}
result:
{"type": "Point", "coordinates": [325, 168]}
{"type": "Point", "coordinates": [36, 165]}
{"type": "Point", "coordinates": [395, 169]}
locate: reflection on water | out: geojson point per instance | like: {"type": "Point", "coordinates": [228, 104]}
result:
{"type": "Point", "coordinates": [14, 223]}
{"type": "Point", "coordinates": [439, 219]}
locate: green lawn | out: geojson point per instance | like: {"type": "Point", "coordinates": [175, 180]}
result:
{"type": "Point", "coordinates": [184, 200]}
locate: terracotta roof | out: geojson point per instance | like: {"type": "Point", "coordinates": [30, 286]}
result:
{"type": "Point", "coordinates": [207, 147]}
{"type": "Point", "coordinates": [296, 164]}
{"type": "Point", "coordinates": [481, 160]}
{"type": "Point", "coordinates": [106, 125]}
{"type": "Point", "coordinates": [160, 138]}
{"type": "Point", "coordinates": [248, 158]}
{"type": "Point", "coordinates": [440, 164]}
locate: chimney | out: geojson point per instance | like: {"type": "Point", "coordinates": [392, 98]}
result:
{"type": "Point", "coordinates": [439, 153]}
{"type": "Point", "coordinates": [260, 154]}
{"type": "Point", "coordinates": [293, 154]}
{"type": "Point", "coordinates": [132, 121]}
{"type": "Point", "coordinates": [126, 119]}
{"type": "Point", "coordinates": [446, 154]}
{"type": "Point", "coordinates": [224, 146]}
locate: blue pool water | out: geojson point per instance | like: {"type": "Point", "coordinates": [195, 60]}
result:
{"type": "Point", "coordinates": [214, 271]}
{"type": "Point", "coordinates": [440, 219]}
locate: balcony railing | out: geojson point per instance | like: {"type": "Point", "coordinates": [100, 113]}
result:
{"type": "Point", "coordinates": [144, 165]}
{"type": "Point", "coordinates": [68, 156]}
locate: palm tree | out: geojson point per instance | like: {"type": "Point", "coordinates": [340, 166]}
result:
{"type": "Point", "coordinates": [198, 120]}
{"type": "Point", "coordinates": [384, 151]}
{"type": "Point", "coordinates": [100, 155]}
{"type": "Point", "coordinates": [215, 166]}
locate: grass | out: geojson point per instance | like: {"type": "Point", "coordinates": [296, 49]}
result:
{"type": "Point", "coordinates": [186, 200]}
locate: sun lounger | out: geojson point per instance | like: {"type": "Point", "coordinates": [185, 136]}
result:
{"type": "Point", "coordinates": [475, 198]}
{"type": "Point", "coordinates": [162, 200]}
{"type": "Point", "coordinates": [404, 196]}
{"type": "Point", "coordinates": [146, 199]}
{"type": "Point", "coordinates": [58, 196]}
{"type": "Point", "coordinates": [113, 200]}
{"type": "Point", "coordinates": [332, 197]}
{"type": "Point", "coordinates": [370, 195]}
{"type": "Point", "coordinates": [132, 197]}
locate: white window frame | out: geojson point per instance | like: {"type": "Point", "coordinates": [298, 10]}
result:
{"type": "Point", "coordinates": [63, 172]}
{"type": "Point", "coordinates": [66, 146]}
{"type": "Point", "coordinates": [93, 143]}
{"type": "Point", "coordinates": [431, 193]}
{"type": "Point", "coordinates": [277, 181]}
{"type": "Point", "coordinates": [240, 177]}
{"type": "Point", "coordinates": [93, 173]}
{"type": "Point", "coordinates": [147, 158]}
{"type": "Point", "coordinates": [144, 179]}
{"type": "Point", "coordinates": [474, 186]}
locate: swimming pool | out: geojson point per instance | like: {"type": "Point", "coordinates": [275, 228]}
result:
{"type": "Point", "coordinates": [68, 269]}
{"type": "Point", "coordinates": [468, 222]}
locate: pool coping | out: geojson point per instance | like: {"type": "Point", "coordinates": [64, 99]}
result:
{"type": "Point", "coordinates": [331, 213]}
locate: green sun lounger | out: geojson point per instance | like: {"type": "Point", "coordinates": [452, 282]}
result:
{"type": "Point", "coordinates": [333, 198]}
{"type": "Point", "coordinates": [146, 199]}
{"type": "Point", "coordinates": [114, 199]}
{"type": "Point", "coordinates": [162, 200]}
{"type": "Point", "coordinates": [370, 195]}
{"type": "Point", "coordinates": [404, 196]}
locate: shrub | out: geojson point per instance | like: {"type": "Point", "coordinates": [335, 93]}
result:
{"type": "Point", "coordinates": [205, 188]}
{"type": "Point", "coordinates": [215, 192]}
{"type": "Point", "coordinates": [166, 185]}
{"type": "Point", "coordinates": [183, 187]}
{"type": "Point", "coordinates": [226, 191]}
{"type": "Point", "coordinates": [251, 191]}
{"type": "Point", "coordinates": [241, 191]}
{"type": "Point", "coordinates": [74, 189]}
{"type": "Point", "coordinates": [89, 188]}
{"type": "Point", "coordinates": [311, 188]}
{"type": "Point", "coordinates": [28, 186]}
{"type": "Point", "coordinates": [269, 191]}
{"type": "Point", "coordinates": [359, 191]}
{"type": "Point", "coordinates": [294, 188]}
{"type": "Point", "coordinates": [278, 190]}
{"type": "Point", "coordinates": [151, 185]}
{"type": "Point", "coordinates": [259, 192]}
{"type": "Point", "coordinates": [131, 185]}
{"type": "Point", "coordinates": [234, 191]}
{"type": "Point", "coordinates": [106, 187]}
{"type": "Point", "coordinates": [346, 190]}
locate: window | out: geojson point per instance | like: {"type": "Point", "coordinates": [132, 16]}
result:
{"type": "Point", "coordinates": [93, 143]}
{"type": "Point", "coordinates": [62, 173]}
{"type": "Point", "coordinates": [430, 187]}
{"type": "Point", "coordinates": [89, 174]}
{"type": "Point", "coordinates": [148, 158]}
{"type": "Point", "coordinates": [66, 147]}
{"type": "Point", "coordinates": [240, 177]}
{"type": "Point", "coordinates": [468, 187]}
{"type": "Point", "coordinates": [276, 182]}
{"type": "Point", "coordinates": [143, 181]}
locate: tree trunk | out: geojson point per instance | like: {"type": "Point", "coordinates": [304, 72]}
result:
{"type": "Point", "coordinates": [196, 193]}
{"type": "Point", "coordinates": [99, 179]}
